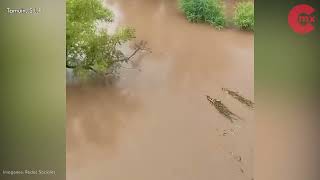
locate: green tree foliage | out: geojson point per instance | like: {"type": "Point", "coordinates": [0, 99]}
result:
{"type": "Point", "coordinates": [244, 16]}
{"type": "Point", "coordinates": [208, 11]}
{"type": "Point", "coordinates": [91, 51]}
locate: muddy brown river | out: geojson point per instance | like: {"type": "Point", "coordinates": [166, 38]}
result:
{"type": "Point", "coordinates": [155, 122]}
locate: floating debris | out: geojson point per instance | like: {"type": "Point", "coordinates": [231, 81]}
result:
{"type": "Point", "coordinates": [239, 159]}
{"type": "Point", "coordinates": [231, 131]}
{"type": "Point", "coordinates": [226, 132]}
{"type": "Point", "coordinates": [236, 157]}
{"type": "Point", "coordinates": [242, 170]}
{"type": "Point", "coordinates": [223, 109]}
{"type": "Point", "coordinates": [238, 97]}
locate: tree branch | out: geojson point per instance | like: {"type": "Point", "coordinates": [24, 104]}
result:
{"type": "Point", "coordinates": [90, 68]}
{"type": "Point", "coordinates": [70, 66]}
{"type": "Point", "coordinates": [85, 67]}
{"type": "Point", "coordinates": [141, 46]}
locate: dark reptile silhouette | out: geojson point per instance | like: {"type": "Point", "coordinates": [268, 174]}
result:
{"type": "Point", "coordinates": [222, 109]}
{"type": "Point", "coordinates": [238, 97]}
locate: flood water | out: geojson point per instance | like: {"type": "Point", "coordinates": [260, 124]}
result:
{"type": "Point", "coordinates": [155, 122]}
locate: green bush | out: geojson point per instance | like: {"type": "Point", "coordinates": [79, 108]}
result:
{"type": "Point", "coordinates": [244, 16]}
{"type": "Point", "coordinates": [88, 49]}
{"type": "Point", "coordinates": [208, 11]}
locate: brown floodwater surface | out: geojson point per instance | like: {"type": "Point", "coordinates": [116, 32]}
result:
{"type": "Point", "coordinates": [155, 122]}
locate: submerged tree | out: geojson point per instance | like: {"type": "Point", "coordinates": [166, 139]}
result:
{"type": "Point", "coordinates": [90, 50]}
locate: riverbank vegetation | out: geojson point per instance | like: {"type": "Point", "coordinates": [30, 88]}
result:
{"type": "Point", "coordinates": [207, 11]}
{"type": "Point", "coordinates": [213, 13]}
{"type": "Point", "coordinates": [92, 52]}
{"type": "Point", "coordinates": [244, 16]}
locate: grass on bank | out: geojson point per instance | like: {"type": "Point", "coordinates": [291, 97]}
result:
{"type": "Point", "coordinates": [204, 11]}
{"type": "Point", "coordinates": [244, 16]}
